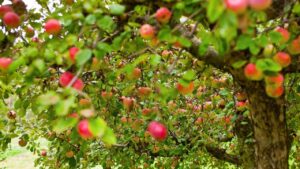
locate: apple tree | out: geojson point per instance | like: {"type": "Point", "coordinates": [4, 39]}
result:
{"type": "Point", "coordinates": [152, 84]}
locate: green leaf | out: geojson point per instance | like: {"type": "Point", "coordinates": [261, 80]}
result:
{"type": "Point", "coordinates": [97, 126]}
{"type": "Point", "coordinates": [268, 65]}
{"type": "Point", "coordinates": [106, 23]}
{"type": "Point", "coordinates": [116, 9]}
{"type": "Point", "coordinates": [254, 49]}
{"type": "Point", "coordinates": [296, 9]}
{"type": "Point", "coordinates": [243, 42]}
{"type": "Point", "coordinates": [64, 124]}
{"type": "Point", "coordinates": [165, 34]}
{"type": "Point", "coordinates": [83, 56]}
{"type": "Point", "coordinates": [155, 59]}
{"type": "Point", "coordinates": [16, 64]}
{"type": "Point", "coordinates": [214, 10]}
{"type": "Point", "coordinates": [50, 98]}
{"type": "Point", "coordinates": [91, 19]}
{"type": "Point", "coordinates": [63, 107]}
{"type": "Point", "coordinates": [109, 137]}
{"type": "Point", "coordinates": [102, 50]}
{"type": "Point", "coordinates": [184, 42]}
{"type": "Point", "coordinates": [239, 64]}
{"type": "Point", "coordinates": [275, 37]}
{"type": "Point", "coordinates": [189, 75]}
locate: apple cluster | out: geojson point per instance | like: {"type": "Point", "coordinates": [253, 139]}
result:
{"type": "Point", "coordinates": [274, 83]}
{"type": "Point", "coordinates": [240, 6]}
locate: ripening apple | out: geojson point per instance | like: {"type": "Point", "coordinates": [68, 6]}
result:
{"type": "Point", "coordinates": [241, 105]}
{"type": "Point", "coordinates": [136, 73]}
{"type": "Point", "coordinates": [11, 20]}
{"type": "Point", "coordinates": [274, 91]}
{"type": "Point", "coordinates": [269, 50]}
{"type": "Point", "coordinates": [78, 84]}
{"type": "Point", "coordinates": [84, 102]}
{"type": "Point", "coordinates": [285, 34]}
{"type": "Point", "coordinates": [84, 130]}
{"type": "Point", "coordinates": [4, 9]}
{"type": "Point", "coordinates": [144, 91]}
{"type": "Point", "coordinates": [12, 115]}
{"type": "Point", "coordinates": [165, 53]}
{"type": "Point", "coordinates": [69, 154]}
{"type": "Point", "coordinates": [69, 2]}
{"type": "Point", "coordinates": [199, 120]}
{"type": "Point", "coordinates": [163, 15]}
{"type": "Point", "coordinates": [227, 119]}
{"type": "Point", "coordinates": [72, 53]}
{"type": "Point", "coordinates": [237, 6]}
{"type": "Point", "coordinates": [260, 5]}
{"type": "Point", "coordinates": [73, 115]}
{"type": "Point", "coordinates": [157, 130]}
{"type": "Point", "coordinates": [276, 80]}
{"type": "Point", "coordinates": [106, 95]}
{"type": "Point", "coordinates": [146, 111]}
{"type": "Point", "coordinates": [128, 102]}
{"type": "Point", "coordinates": [22, 142]}
{"type": "Point", "coordinates": [283, 59]}
{"type": "Point", "coordinates": [52, 27]}
{"type": "Point", "coordinates": [147, 31]}
{"type": "Point", "coordinates": [241, 96]}
{"type": "Point", "coordinates": [185, 89]}
{"type": "Point", "coordinates": [43, 153]}
{"type": "Point", "coordinates": [29, 31]}
{"type": "Point", "coordinates": [5, 62]}
{"type": "Point", "coordinates": [252, 72]}
{"type": "Point", "coordinates": [294, 47]}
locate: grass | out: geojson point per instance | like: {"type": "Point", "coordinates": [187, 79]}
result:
{"type": "Point", "coordinates": [16, 157]}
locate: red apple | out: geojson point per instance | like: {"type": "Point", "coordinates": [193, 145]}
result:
{"type": "Point", "coordinates": [78, 84]}
{"type": "Point", "coordinates": [157, 130]}
{"type": "Point", "coordinates": [11, 19]}
{"type": "Point", "coordinates": [83, 129]}
{"type": "Point", "coordinates": [252, 72]}
{"type": "Point", "coordinates": [147, 31]}
{"type": "Point", "coordinates": [284, 33]}
{"type": "Point", "coordinates": [276, 80]}
{"type": "Point", "coordinates": [185, 89]}
{"type": "Point", "coordinates": [283, 59]}
{"type": "Point", "coordinates": [260, 4]}
{"type": "Point", "coordinates": [29, 31]}
{"type": "Point", "coordinates": [144, 91]}
{"type": "Point", "coordinates": [5, 62]}
{"type": "Point", "coordinates": [72, 53]}
{"type": "Point", "coordinates": [65, 79]}
{"type": "Point", "coordinates": [4, 9]}
{"type": "Point", "coordinates": [43, 153]}
{"type": "Point", "coordinates": [294, 47]}
{"type": "Point", "coordinates": [274, 91]}
{"type": "Point", "coordinates": [163, 15]}
{"type": "Point", "coordinates": [237, 6]}
{"type": "Point", "coordinates": [52, 27]}
{"type": "Point", "coordinates": [241, 105]}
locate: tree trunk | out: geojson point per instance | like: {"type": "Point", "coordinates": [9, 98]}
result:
{"type": "Point", "coordinates": [270, 130]}
{"type": "Point", "coordinates": [268, 118]}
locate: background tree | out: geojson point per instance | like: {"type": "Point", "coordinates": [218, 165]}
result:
{"type": "Point", "coordinates": [152, 84]}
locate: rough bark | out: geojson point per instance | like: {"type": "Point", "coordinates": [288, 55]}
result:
{"type": "Point", "coordinates": [269, 123]}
